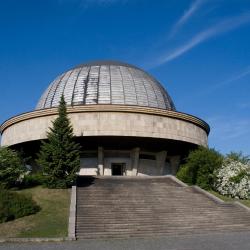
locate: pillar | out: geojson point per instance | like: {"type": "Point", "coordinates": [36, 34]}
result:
{"type": "Point", "coordinates": [134, 161]}
{"type": "Point", "coordinates": [175, 163]}
{"type": "Point", "coordinates": [100, 168]}
{"type": "Point", "coordinates": [160, 161]}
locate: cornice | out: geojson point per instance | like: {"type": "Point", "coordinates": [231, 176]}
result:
{"type": "Point", "coordinates": [107, 108]}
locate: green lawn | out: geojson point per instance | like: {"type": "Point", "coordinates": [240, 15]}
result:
{"type": "Point", "coordinates": [226, 198]}
{"type": "Point", "coordinates": [51, 221]}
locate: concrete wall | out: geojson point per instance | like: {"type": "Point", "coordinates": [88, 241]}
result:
{"type": "Point", "coordinates": [167, 169]}
{"type": "Point", "coordinates": [108, 123]}
{"type": "Point", "coordinates": [88, 166]}
{"type": "Point", "coordinates": [161, 165]}
{"type": "Point", "coordinates": [148, 167]}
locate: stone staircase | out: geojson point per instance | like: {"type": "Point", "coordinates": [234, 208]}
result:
{"type": "Point", "coordinates": [121, 207]}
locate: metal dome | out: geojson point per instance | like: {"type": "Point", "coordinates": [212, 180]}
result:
{"type": "Point", "coordinates": [106, 82]}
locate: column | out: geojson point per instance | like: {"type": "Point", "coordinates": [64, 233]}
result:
{"type": "Point", "coordinates": [175, 163]}
{"type": "Point", "coordinates": [134, 161]}
{"type": "Point", "coordinates": [160, 161]}
{"type": "Point", "coordinates": [100, 168]}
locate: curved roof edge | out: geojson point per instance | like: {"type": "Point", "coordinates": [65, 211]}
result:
{"type": "Point", "coordinates": [107, 108]}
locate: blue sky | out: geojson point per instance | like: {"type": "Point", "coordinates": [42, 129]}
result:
{"type": "Point", "coordinates": [198, 49]}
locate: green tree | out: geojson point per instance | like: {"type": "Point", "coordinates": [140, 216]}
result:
{"type": "Point", "coordinates": [11, 167]}
{"type": "Point", "coordinates": [237, 156]}
{"type": "Point", "coordinates": [199, 167]}
{"type": "Point", "coordinates": [59, 155]}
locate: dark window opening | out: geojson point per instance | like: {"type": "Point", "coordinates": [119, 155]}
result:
{"type": "Point", "coordinates": [147, 157]}
{"type": "Point", "coordinates": [89, 154]}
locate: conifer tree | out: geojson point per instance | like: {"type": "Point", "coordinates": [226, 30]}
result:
{"type": "Point", "coordinates": [59, 155]}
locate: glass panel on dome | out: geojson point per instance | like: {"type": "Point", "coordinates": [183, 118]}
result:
{"type": "Point", "coordinates": [152, 101]}
{"type": "Point", "coordinates": [142, 99]}
{"type": "Point", "coordinates": [69, 87]}
{"type": "Point", "coordinates": [117, 94]}
{"type": "Point", "coordinates": [60, 88]}
{"type": "Point", "coordinates": [41, 103]}
{"type": "Point", "coordinates": [50, 96]}
{"type": "Point", "coordinates": [104, 85]}
{"type": "Point", "coordinates": [158, 94]}
{"type": "Point", "coordinates": [92, 85]}
{"type": "Point", "coordinates": [129, 87]}
{"type": "Point", "coordinates": [79, 90]}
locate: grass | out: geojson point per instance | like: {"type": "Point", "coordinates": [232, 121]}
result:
{"type": "Point", "coordinates": [51, 221]}
{"type": "Point", "coordinates": [226, 198]}
{"type": "Point", "coordinates": [246, 202]}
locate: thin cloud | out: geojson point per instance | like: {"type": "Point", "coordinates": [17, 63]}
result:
{"type": "Point", "coordinates": [230, 134]}
{"type": "Point", "coordinates": [220, 28]}
{"type": "Point", "coordinates": [225, 128]}
{"type": "Point", "coordinates": [227, 132]}
{"type": "Point", "coordinates": [242, 74]}
{"type": "Point", "coordinates": [186, 16]}
{"type": "Point", "coordinates": [244, 105]}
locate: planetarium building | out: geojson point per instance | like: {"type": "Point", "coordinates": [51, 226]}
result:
{"type": "Point", "coordinates": [124, 119]}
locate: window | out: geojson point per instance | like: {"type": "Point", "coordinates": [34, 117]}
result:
{"type": "Point", "coordinates": [147, 157]}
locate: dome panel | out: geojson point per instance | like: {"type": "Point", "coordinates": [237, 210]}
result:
{"type": "Point", "coordinates": [106, 82]}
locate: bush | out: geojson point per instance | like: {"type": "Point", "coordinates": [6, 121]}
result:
{"type": "Point", "coordinates": [199, 167]}
{"type": "Point", "coordinates": [53, 182]}
{"type": "Point", "coordinates": [184, 174]}
{"type": "Point", "coordinates": [235, 156]}
{"type": "Point", "coordinates": [14, 205]}
{"type": "Point", "coordinates": [11, 167]}
{"type": "Point", "coordinates": [233, 178]}
{"type": "Point", "coordinates": [32, 180]}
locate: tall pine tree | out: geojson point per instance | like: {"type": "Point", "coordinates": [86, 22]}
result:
{"type": "Point", "coordinates": [59, 155]}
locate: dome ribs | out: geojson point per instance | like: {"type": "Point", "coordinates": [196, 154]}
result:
{"type": "Point", "coordinates": [104, 87]}
{"type": "Point", "coordinates": [106, 82]}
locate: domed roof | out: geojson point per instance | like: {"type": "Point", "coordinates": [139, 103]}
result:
{"type": "Point", "coordinates": [106, 82]}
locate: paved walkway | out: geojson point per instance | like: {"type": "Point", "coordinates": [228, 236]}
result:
{"type": "Point", "coordinates": [228, 241]}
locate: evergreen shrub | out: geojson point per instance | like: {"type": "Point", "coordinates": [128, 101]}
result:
{"type": "Point", "coordinates": [32, 180]}
{"type": "Point", "coordinates": [14, 205]}
{"type": "Point", "coordinates": [200, 166]}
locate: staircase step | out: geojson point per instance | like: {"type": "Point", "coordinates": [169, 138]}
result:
{"type": "Point", "coordinates": [140, 207]}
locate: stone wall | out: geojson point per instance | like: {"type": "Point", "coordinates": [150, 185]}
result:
{"type": "Point", "coordinates": [88, 166]}
{"type": "Point", "coordinates": [160, 164]}
{"type": "Point", "coordinates": [109, 124]}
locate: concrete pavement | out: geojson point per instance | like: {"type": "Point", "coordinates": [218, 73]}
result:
{"type": "Point", "coordinates": [218, 241]}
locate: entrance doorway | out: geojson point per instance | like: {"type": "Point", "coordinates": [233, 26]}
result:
{"type": "Point", "coordinates": [118, 168]}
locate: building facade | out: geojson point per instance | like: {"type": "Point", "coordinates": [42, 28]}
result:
{"type": "Point", "coordinates": [124, 119]}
